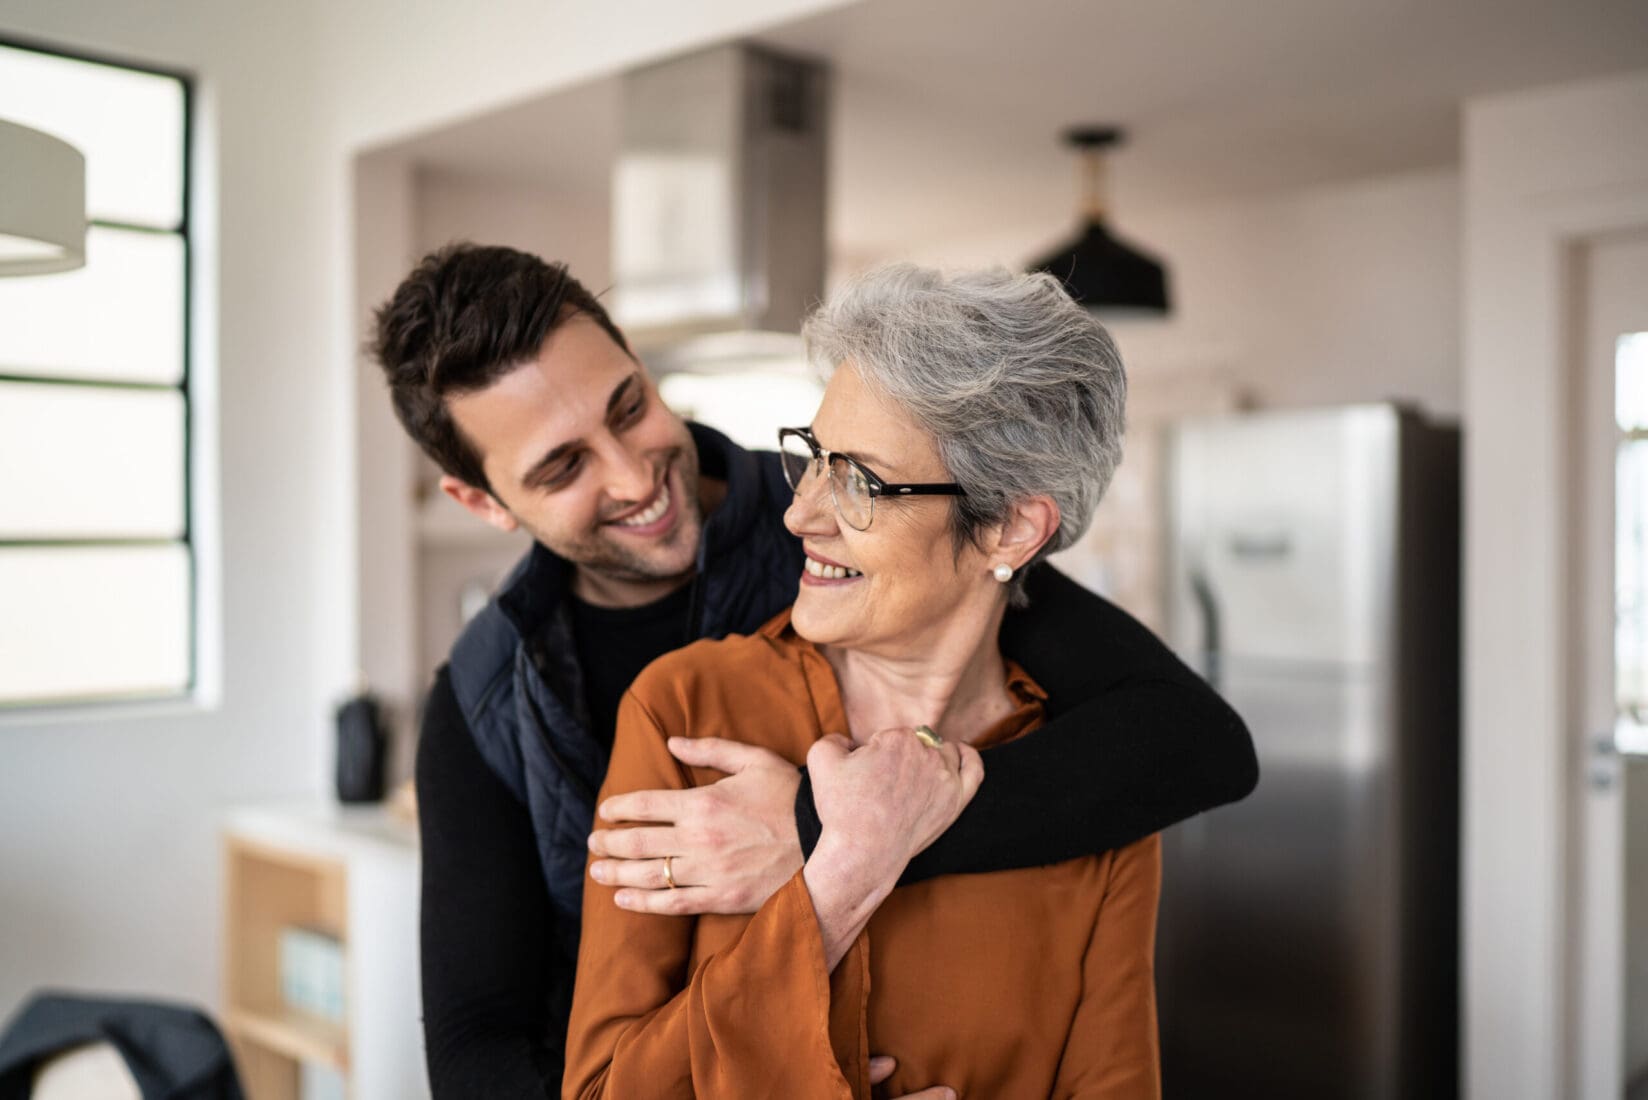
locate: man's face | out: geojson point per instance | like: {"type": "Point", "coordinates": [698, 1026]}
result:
{"type": "Point", "coordinates": [580, 451]}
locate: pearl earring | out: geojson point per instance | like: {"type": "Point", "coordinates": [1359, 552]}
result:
{"type": "Point", "coordinates": [1004, 572]}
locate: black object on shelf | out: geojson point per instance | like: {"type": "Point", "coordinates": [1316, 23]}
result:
{"type": "Point", "coordinates": [363, 743]}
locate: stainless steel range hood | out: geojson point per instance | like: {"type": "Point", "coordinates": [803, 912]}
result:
{"type": "Point", "coordinates": [718, 206]}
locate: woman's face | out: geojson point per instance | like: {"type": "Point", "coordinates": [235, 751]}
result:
{"type": "Point", "coordinates": [906, 580]}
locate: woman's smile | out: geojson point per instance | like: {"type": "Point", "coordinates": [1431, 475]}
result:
{"type": "Point", "coordinates": [824, 572]}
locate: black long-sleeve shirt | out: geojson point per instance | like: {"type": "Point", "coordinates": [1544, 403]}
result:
{"type": "Point", "coordinates": [1135, 742]}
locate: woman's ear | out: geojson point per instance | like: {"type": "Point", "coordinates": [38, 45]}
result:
{"type": "Point", "coordinates": [1030, 522]}
{"type": "Point", "coordinates": [478, 503]}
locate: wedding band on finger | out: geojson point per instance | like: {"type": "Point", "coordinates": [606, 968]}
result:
{"type": "Point", "coordinates": [927, 737]}
{"type": "Point", "coordinates": [669, 873]}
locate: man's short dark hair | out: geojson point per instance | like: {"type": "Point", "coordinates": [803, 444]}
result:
{"type": "Point", "coordinates": [466, 316]}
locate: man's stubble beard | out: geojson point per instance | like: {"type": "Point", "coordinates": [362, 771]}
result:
{"type": "Point", "coordinates": [602, 553]}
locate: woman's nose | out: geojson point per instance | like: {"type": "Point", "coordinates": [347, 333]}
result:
{"type": "Point", "coordinates": [811, 512]}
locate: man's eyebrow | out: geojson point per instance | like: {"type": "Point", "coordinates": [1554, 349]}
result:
{"type": "Point", "coordinates": [616, 398]}
{"type": "Point", "coordinates": [621, 391]}
{"type": "Point", "coordinates": [541, 467]}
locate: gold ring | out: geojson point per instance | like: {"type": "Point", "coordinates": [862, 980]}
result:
{"type": "Point", "coordinates": [928, 737]}
{"type": "Point", "coordinates": [669, 875]}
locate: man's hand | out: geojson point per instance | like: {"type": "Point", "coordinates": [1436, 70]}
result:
{"type": "Point", "coordinates": [879, 805]}
{"type": "Point", "coordinates": [881, 1068]}
{"type": "Point", "coordinates": [731, 844]}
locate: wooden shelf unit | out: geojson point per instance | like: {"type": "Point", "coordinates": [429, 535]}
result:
{"type": "Point", "coordinates": [269, 888]}
{"type": "Point", "coordinates": [348, 873]}
{"type": "Point", "coordinates": [293, 1035]}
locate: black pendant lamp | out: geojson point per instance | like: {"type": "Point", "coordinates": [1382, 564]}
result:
{"type": "Point", "coordinates": [1102, 271]}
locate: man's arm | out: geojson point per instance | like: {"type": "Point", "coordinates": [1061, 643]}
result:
{"type": "Point", "coordinates": [1135, 742]}
{"type": "Point", "coordinates": [486, 922]}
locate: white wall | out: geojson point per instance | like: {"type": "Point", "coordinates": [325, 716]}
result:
{"type": "Point", "coordinates": [519, 213]}
{"type": "Point", "coordinates": [1327, 295]}
{"type": "Point", "coordinates": [396, 71]}
{"type": "Point", "coordinates": [385, 207]}
{"type": "Point", "coordinates": [108, 856]}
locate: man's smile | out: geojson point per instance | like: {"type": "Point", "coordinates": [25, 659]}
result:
{"type": "Point", "coordinates": [651, 517]}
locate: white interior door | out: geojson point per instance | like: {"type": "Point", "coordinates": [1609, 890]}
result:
{"type": "Point", "coordinates": [1609, 674]}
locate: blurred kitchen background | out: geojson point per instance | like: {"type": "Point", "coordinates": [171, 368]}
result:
{"type": "Point", "coordinates": [1385, 316]}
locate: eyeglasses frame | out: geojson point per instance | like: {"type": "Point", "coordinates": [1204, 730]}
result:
{"type": "Point", "coordinates": [878, 485]}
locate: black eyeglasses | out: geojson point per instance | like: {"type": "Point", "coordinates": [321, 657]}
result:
{"type": "Point", "coordinates": [853, 486]}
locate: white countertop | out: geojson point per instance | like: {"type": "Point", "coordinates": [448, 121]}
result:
{"type": "Point", "coordinates": [324, 828]}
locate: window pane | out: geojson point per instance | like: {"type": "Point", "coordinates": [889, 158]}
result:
{"type": "Point", "coordinates": [129, 125]}
{"type": "Point", "coordinates": [1631, 578]}
{"type": "Point", "coordinates": [118, 318]}
{"type": "Point", "coordinates": [93, 622]}
{"type": "Point", "coordinates": [84, 462]}
{"type": "Point", "coordinates": [749, 406]}
{"type": "Point", "coordinates": [1631, 382]}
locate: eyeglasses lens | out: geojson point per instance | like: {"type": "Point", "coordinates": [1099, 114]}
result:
{"type": "Point", "coordinates": [852, 493]}
{"type": "Point", "coordinates": [797, 456]}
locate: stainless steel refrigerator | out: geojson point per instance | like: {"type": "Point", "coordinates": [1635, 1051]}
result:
{"type": "Point", "coordinates": [1308, 942]}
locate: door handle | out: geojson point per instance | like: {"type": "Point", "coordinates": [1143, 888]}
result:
{"type": "Point", "coordinates": [1604, 763]}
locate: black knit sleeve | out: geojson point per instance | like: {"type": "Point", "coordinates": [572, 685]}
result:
{"type": "Point", "coordinates": [1136, 741]}
{"type": "Point", "coordinates": [487, 925]}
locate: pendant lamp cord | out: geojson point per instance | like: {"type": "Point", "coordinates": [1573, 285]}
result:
{"type": "Point", "coordinates": [1093, 180]}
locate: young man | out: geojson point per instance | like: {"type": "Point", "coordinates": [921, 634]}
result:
{"type": "Point", "coordinates": [651, 533]}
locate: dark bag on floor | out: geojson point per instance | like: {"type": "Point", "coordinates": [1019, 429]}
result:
{"type": "Point", "coordinates": [173, 1052]}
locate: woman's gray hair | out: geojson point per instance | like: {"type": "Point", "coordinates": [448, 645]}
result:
{"type": "Point", "coordinates": [1020, 388]}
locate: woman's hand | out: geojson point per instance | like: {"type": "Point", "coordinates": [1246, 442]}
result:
{"type": "Point", "coordinates": [879, 805]}
{"type": "Point", "coordinates": [893, 795]}
{"type": "Point", "coordinates": [881, 1068]}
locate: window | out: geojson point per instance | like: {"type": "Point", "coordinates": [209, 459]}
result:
{"type": "Point", "coordinates": [97, 566]}
{"type": "Point", "coordinates": [748, 406]}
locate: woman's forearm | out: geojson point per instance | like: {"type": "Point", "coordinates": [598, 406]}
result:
{"type": "Point", "coordinates": [880, 803]}
{"type": "Point", "coordinates": [847, 884]}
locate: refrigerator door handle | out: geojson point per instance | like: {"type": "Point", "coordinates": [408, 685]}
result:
{"type": "Point", "coordinates": [1207, 608]}
{"type": "Point", "coordinates": [1260, 545]}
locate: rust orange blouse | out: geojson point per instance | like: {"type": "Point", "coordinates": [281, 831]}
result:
{"type": "Point", "coordinates": [1030, 983]}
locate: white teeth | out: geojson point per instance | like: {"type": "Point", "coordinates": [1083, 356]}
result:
{"type": "Point", "coordinates": [652, 514]}
{"type": "Point", "coordinates": [830, 572]}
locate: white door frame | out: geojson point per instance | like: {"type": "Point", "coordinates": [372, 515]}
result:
{"type": "Point", "coordinates": [1544, 172]}
{"type": "Point", "coordinates": [1613, 300]}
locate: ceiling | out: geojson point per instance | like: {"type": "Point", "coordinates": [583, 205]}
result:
{"type": "Point", "coordinates": [944, 108]}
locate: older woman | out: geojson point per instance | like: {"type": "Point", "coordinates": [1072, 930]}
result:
{"type": "Point", "coordinates": [969, 428]}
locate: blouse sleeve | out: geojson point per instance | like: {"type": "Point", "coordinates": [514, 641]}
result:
{"type": "Point", "coordinates": [763, 1017]}
{"type": "Point", "coordinates": [1112, 1052]}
